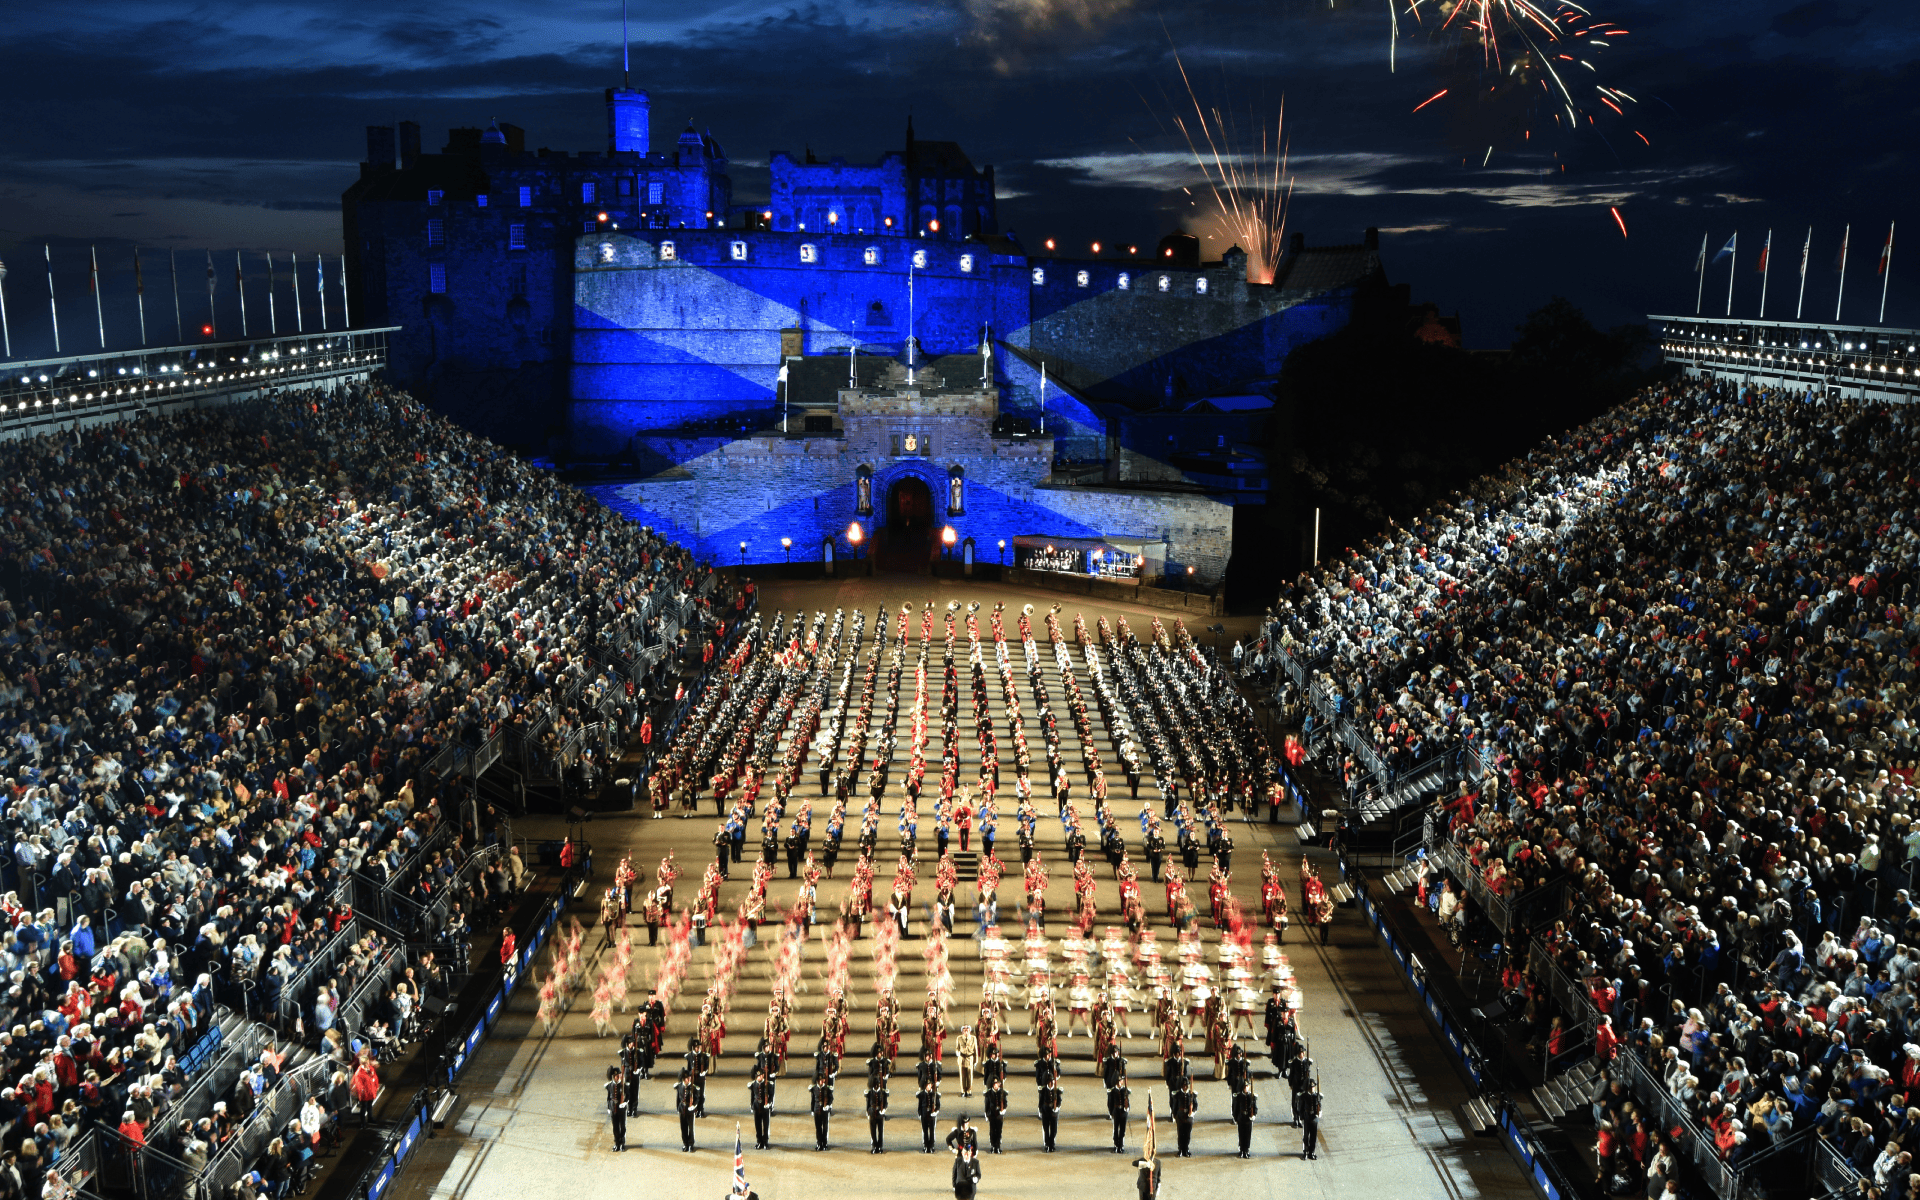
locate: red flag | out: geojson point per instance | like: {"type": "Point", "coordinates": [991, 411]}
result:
{"type": "Point", "coordinates": [1886, 253]}
{"type": "Point", "coordinates": [1765, 249]}
{"type": "Point", "coordinates": [1840, 259]}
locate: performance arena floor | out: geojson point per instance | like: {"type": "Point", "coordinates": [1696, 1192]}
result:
{"type": "Point", "coordinates": [532, 1122]}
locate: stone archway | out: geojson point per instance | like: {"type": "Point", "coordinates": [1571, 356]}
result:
{"type": "Point", "coordinates": [909, 507]}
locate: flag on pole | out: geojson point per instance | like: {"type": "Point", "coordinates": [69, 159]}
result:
{"type": "Point", "coordinates": [783, 373]}
{"type": "Point", "coordinates": [1727, 249]}
{"type": "Point", "coordinates": [739, 1164]}
{"type": "Point", "coordinates": [1840, 259]}
{"type": "Point", "coordinates": [1806, 252]}
{"type": "Point", "coordinates": [1700, 263]}
{"type": "Point", "coordinates": [1149, 1146]}
{"type": "Point", "coordinates": [1886, 253]}
{"type": "Point", "coordinates": [1766, 248]}
{"type": "Point", "coordinates": [93, 272]}
{"type": "Point", "coordinates": [139, 283]}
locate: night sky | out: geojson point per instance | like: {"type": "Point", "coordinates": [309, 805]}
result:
{"type": "Point", "coordinates": [172, 125]}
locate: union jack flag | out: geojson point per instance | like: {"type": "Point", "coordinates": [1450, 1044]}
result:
{"type": "Point", "coordinates": [739, 1164]}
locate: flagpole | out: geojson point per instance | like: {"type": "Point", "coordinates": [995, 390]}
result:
{"type": "Point", "coordinates": [273, 317]}
{"type": "Point", "coordinates": [346, 317]}
{"type": "Point", "coordinates": [6, 334]}
{"type": "Point", "coordinates": [1733, 264]}
{"type": "Point", "coordinates": [1806, 252]}
{"type": "Point", "coordinates": [53, 306]}
{"type": "Point", "coordinates": [1839, 299]}
{"type": "Point", "coordinates": [1700, 293]}
{"type": "Point", "coordinates": [173, 269]}
{"type": "Point", "coordinates": [1886, 272]}
{"type": "Point", "coordinates": [1766, 266]}
{"type": "Point", "coordinates": [99, 313]}
{"type": "Point", "coordinates": [140, 294]}
{"type": "Point", "coordinates": [299, 317]}
{"type": "Point", "coordinates": [1043, 398]}
{"type": "Point", "coordinates": [320, 286]}
{"type": "Point", "coordinates": [240, 289]}
{"type": "Point", "coordinates": [213, 320]}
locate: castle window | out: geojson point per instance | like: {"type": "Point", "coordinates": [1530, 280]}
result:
{"type": "Point", "coordinates": [655, 189]}
{"type": "Point", "coordinates": [480, 200]}
{"type": "Point", "coordinates": [435, 195]}
{"type": "Point", "coordinates": [586, 192]}
{"type": "Point", "coordinates": [516, 237]}
{"type": "Point", "coordinates": [1039, 276]}
{"type": "Point", "coordinates": [436, 232]}
{"type": "Point", "coordinates": [920, 259]}
{"type": "Point", "coordinates": [966, 263]}
{"type": "Point", "coordinates": [1200, 285]}
{"type": "Point", "coordinates": [666, 252]}
{"type": "Point", "coordinates": [1080, 279]}
{"type": "Point", "coordinates": [872, 256]}
{"type": "Point", "coordinates": [437, 278]}
{"type": "Point", "coordinates": [739, 251]}
{"type": "Point", "coordinates": [809, 253]}
{"type": "Point", "coordinates": [1126, 281]}
{"type": "Point", "coordinates": [1165, 283]}
{"type": "Point", "coordinates": [626, 186]}
{"type": "Point", "coordinates": [526, 197]}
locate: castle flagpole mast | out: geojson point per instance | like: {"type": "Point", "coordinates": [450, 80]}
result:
{"type": "Point", "coordinates": [626, 61]}
{"type": "Point", "coordinates": [910, 337]}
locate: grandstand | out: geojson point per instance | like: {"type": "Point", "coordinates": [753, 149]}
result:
{"type": "Point", "coordinates": [1638, 709]}
{"type": "Point", "coordinates": [1859, 362]}
{"type": "Point", "coordinates": [262, 618]}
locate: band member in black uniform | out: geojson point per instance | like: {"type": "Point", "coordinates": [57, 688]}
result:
{"type": "Point", "coordinates": [760, 1099]}
{"type": "Point", "coordinates": [1237, 1069]}
{"type": "Point", "coordinates": [996, 1114]}
{"type": "Point", "coordinates": [1184, 1102]}
{"type": "Point", "coordinates": [1119, 1101]}
{"type": "Point", "coordinates": [1156, 852]}
{"type": "Point", "coordinates": [1049, 1115]}
{"type": "Point", "coordinates": [1175, 1070]}
{"type": "Point", "coordinates": [993, 1068]}
{"type": "Point", "coordinates": [1310, 1122]}
{"type": "Point", "coordinates": [1113, 1068]}
{"type": "Point", "coordinates": [1245, 1109]}
{"type": "Point", "coordinates": [929, 1105]}
{"type": "Point", "coordinates": [684, 1103]}
{"type": "Point", "coordinates": [1299, 1078]}
{"type": "Point", "coordinates": [630, 1067]}
{"type": "Point", "coordinates": [963, 1138]}
{"type": "Point", "coordinates": [820, 1099]}
{"type": "Point", "coordinates": [877, 1115]}
{"type": "Point", "coordinates": [617, 1106]}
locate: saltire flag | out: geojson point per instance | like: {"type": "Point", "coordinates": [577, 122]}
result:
{"type": "Point", "coordinates": [739, 1164]}
{"type": "Point", "coordinates": [1766, 248]}
{"type": "Point", "coordinates": [1727, 249]}
{"type": "Point", "coordinates": [1886, 253]}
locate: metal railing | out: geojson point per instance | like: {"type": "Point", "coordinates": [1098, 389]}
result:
{"type": "Point", "coordinates": [36, 393]}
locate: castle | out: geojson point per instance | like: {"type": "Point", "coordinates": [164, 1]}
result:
{"type": "Point", "coordinates": [760, 364]}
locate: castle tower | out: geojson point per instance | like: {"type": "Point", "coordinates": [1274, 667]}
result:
{"type": "Point", "coordinates": [628, 111]}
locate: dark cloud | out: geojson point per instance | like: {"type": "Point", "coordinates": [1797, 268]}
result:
{"type": "Point", "coordinates": [242, 125]}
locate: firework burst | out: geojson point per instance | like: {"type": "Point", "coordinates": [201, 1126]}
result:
{"type": "Point", "coordinates": [1245, 176]}
{"type": "Point", "coordinates": [1517, 66]}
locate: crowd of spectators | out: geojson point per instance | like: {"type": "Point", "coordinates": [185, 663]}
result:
{"type": "Point", "coordinates": [235, 646]}
{"type": "Point", "coordinates": [1674, 652]}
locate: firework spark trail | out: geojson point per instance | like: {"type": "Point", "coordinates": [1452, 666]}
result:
{"type": "Point", "coordinates": [1542, 31]}
{"type": "Point", "coordinates": [1251, 189]}
{"type": "Point", "coordinates": [1618, 219]}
